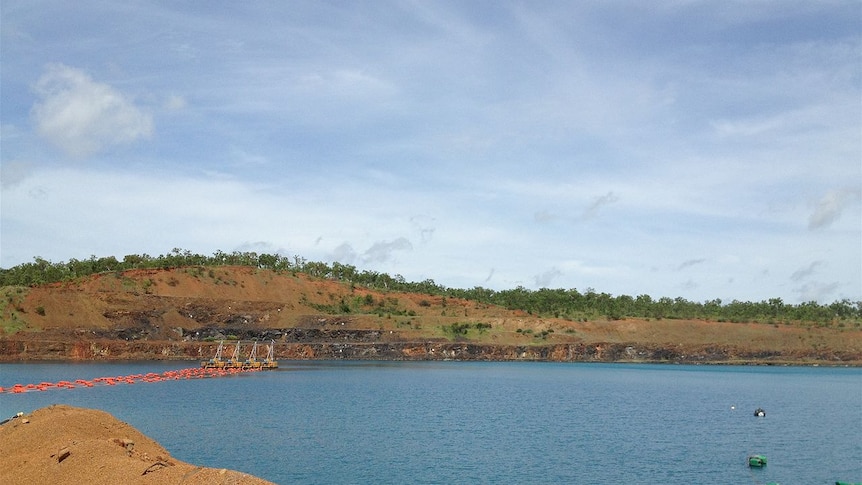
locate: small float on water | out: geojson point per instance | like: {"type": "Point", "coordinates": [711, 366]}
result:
{"type": "Point", "coordinates": [759, 412]}
{"type": "Point", "coordinates": [757, 461]}
{"type": "Point", "coordinates": [234, 362]}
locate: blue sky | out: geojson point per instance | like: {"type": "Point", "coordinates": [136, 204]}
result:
{"type": "Point", "coordinates": [702, 149]}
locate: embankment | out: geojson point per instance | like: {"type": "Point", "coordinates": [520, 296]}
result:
{"type": "Point", "coordinates": [14, 350]}
{"type": "Point", "coordinates": [65, 444]}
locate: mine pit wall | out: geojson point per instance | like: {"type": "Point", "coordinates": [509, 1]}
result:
{"type": "Point", "coordinates": [13, 350]}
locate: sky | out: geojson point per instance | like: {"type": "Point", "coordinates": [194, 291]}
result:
{"type": "Point", "coordinates": [681, 148]}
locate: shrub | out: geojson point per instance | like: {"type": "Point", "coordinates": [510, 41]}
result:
{"type": "Point", "coordinates": [456, 329]}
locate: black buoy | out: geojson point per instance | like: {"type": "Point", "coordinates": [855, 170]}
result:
{"type": "Point", "coordinates": [759, 412]}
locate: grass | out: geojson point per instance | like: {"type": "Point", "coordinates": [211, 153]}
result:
{"type": "Point", "coordinates": [11, 309]}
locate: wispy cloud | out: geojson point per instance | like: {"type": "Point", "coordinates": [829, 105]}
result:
{"type": "Point", "coordinates": [599, 203]}
{"type": "Point", "coordinates": [689, 263]}
{"type": "Point", "coordinates": [819, 292]}
{"type": "Point", "coordinates": [175, 102]}
{"type": "Point", "coordinates": [13, 171]}
{"type": "Point", "coordinates": [82, 116]}
{"type": "Point", "coordinates": [545, 279]}
{"type": "Point", "coordinates": [344, 253]}
{"type": "Point", "coordinates": [425, 225]}
{"type": "Point", "coordinates": [688, 285]}
{"type": "Point", "coordinates": [543, 216]}
{"type": "Point", "coordinates": [805, 272]}
{"type": "Point", "coordinates": [829, 208]}
{"type": "Point", "coordinates": [383, 251]}
{"type": "Point", "coordinates": [379, 252]}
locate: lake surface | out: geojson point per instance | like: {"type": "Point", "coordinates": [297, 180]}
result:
{"type": "Point", "coordinates": [459, 422]}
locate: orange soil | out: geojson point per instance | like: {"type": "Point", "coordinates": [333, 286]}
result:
{"type": "Point", "coordinates": [64, 444]}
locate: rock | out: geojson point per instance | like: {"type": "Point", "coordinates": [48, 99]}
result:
{"type": "Point", "coordinates": [127, 444]}
{"type": "Point", "coordinates": [63, 454]}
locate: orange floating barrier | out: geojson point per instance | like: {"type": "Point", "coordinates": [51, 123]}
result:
{"type": "Point", "coordinates": [189, 373]}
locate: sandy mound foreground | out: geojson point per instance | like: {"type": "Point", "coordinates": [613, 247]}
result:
{"type": "Point", "coordinates": [63, 444]}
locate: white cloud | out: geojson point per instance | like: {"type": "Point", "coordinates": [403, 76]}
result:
{"type": "Point", "coordinates": [82, 116]}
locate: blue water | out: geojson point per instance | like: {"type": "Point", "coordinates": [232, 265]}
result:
{"type": "Point", "coordinates": [455, 422]}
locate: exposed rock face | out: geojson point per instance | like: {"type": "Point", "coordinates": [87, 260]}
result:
{"type": "Point", "coordinates": [295, 345]}
{"type": "Point", "coordinates": [64, 444]}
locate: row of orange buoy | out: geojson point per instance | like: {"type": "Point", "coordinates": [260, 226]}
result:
{"type": "Point", "coordinates": [171, 375]}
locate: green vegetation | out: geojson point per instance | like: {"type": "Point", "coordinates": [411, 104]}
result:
{"type": "Point", "coordinates": [569, 304]}
{"type": "Point", "coordinates": [11, 309]}
{"type": "Point", "coordinates": [457, 330]}
{"type": "Point", "coordinates": [339, 308]}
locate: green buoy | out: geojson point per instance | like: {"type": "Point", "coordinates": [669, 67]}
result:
{"type": "Point", "coordinates": [757, 461]}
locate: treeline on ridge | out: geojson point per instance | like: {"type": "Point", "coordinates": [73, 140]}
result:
{"type": "Point", "coordinates": [560, 303]}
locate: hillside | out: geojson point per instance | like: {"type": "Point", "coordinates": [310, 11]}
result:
{"type": "Point", "coordinates": [183, 313]}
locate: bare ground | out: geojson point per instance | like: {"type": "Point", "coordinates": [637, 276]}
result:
{"type": "Point", "coordinates": [64, 444]}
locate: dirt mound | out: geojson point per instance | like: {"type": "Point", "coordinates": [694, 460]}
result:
{"type": "Point", "coordinates": [64, 444]}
